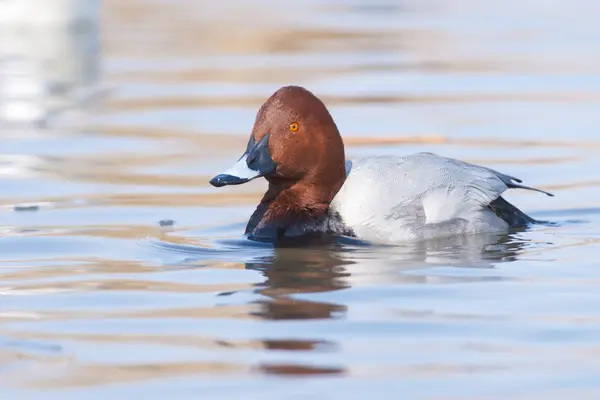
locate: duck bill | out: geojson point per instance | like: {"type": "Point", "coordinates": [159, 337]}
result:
{"type": "Point", "coordinates": [236, 175]}
{"type": "Point", "coordinates": [254, 163]}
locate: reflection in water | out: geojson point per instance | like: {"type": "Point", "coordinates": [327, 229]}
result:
{"type": "Point", "coordinates": [302, 270]}
{"type": "Point", "coordinates": [49, 61]}
{"type": "Point", "coordinates": [294, 369]}
{"type": "Point", "coordinates": [291, 271]}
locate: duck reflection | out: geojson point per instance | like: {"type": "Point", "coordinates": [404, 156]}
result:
{"type": "Point", "coordinates": [297, 270]}
{"type": "Point", "coordinates": [49, 60]}
{"type": "Point", "coordinates": [335, 267]}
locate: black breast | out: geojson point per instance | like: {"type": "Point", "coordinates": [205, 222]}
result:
{"type": "Point", "coordinates": [325, 229]}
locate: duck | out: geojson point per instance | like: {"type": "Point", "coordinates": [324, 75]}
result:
{"type": "Point", "coordinates": [313, 189]}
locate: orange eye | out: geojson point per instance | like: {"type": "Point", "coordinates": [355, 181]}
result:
{"type": "Point", "coordinates": [294, 126]}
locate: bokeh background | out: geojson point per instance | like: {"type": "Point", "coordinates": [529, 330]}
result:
{"type": "Point", "coordinates": [123, 272]}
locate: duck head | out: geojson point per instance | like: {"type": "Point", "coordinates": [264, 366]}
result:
{"type": "Point", "coordinates": [296, 146]}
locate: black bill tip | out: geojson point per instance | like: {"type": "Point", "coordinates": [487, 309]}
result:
{"type": "Point", "coordinates": [225, 179]}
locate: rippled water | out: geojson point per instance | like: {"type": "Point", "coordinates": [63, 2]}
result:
{"type": "Point", "coordinates": [124, 273]}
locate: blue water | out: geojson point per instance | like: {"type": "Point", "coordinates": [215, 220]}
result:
{"type": "Point", "coordinates": [98, 300]}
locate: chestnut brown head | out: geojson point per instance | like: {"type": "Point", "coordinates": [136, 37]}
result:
{"type": "Point", "coordinates": [294, 139]}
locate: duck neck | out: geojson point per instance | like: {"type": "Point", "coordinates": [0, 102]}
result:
{"type": "Point", "coordinates": [294, 203]}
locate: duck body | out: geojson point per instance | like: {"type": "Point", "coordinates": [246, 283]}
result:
{"type": "Point", "coordinates": [423, 196]}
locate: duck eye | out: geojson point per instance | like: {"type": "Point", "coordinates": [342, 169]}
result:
{"type": "Point", "coordinates": [294, 126]}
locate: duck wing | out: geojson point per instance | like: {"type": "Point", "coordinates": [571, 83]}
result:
{"type": "Point", "coordinates": [421, 189]}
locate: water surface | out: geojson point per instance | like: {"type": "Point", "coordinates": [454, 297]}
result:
{"type": "Point", "coordinates": [98, 299]}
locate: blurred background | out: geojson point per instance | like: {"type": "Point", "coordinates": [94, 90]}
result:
{"type": "Point", "coordinates": [122, 271]}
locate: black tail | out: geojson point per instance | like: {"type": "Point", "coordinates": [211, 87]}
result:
{"type": "Point", "coordinates": [510, 214]}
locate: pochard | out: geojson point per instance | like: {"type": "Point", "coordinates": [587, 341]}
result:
{"type": "Point", "coordinates": [313, 190]}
